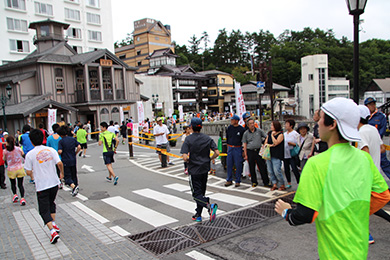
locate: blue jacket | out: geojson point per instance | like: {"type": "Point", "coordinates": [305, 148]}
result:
{"type": "Point", "coordinates": [378, 120]}
{"type": "Point", "coordinates": [26, 142]}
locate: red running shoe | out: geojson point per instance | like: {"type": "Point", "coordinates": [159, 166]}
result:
{"type": "Point", "coordinates": [15, 198]}
{"type": "Point", "coordinates": [54, 238]}
{"type": "Point", "coordinates": [56, 228]}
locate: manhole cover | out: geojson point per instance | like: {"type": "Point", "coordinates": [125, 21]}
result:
{"type": "Point", "coordinates": [258, 245]}
{"type": "Point", "coordinates": [98, 195]}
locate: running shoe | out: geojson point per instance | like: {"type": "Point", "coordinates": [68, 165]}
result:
{"type": "Point", "coordinates": [56, 228]}
{"type": "Point", "coordinates": [61, 185]}
{"type": "Point", "coordinates": [370, 240]}
{"type": "Point", "coordinates": [288, 186]}
{"type": "Point", "coordinates": [197, 218]}
{"type": "Point", "coordinates": [186, 172]}
{"type": "Point", "coordinates": [108, 179]}
{"type": "Point", "coordinates": [22, 202]}
{"type": "Point", "coordinates": [228, 183]}
{"type": "Point", "coordinates": [213, 212]}
{"type": "Point", "coordinates": [15, 198]}
{"type": "Point", "coordinates": [116, 180]}
{"type": "Point", "coordinates": [75, 191]}
{"type": "Point", "coordinates": [84, 156]}
{"type": "Point", "coordinates": [254, 184]}
{"type": "Point", "coordinates": [54, 238]}
{"type": "Point", "coordinates": [32, 181]}
{"type": "Point", "coordinates": [171, 163]}
{"type": "Point", "coordinates": [80, 153]}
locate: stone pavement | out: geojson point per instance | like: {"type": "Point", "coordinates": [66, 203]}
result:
{"type": "Point", "coordinates": [23, 235]}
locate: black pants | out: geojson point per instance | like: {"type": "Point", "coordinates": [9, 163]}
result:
{"type": "Point", "coordinates": [2, 176]}
{"type": "Point", "coordinates": [253, 159]}
{"type": "Point", "coordinates": [46, 204]}
{"type": "Point", "coordinates": [70, 175]}
{"type": "Point", "coordinates": [198, 183]}
{"type": "Point", "coordinates": [287, 163]}
{"type": "Point", "coordinates": [20, 186]}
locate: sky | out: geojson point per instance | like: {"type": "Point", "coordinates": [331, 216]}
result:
{"type": "Point", "coordinates": [187, 18]}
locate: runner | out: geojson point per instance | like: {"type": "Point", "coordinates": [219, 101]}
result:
{"type": "Point", "coordinates": [107, 139]}
{"type": "Point", "coordinates": [81, 136]}
{"type": "Point", "coordinates": [41, 162]}
{"type": "Point", "coordinates": [196, 151]}
{"type": "Point", "coordinates": [26, 144]}
{"type": "Point", "coordinates": [14, 157]}
{"type": "Point", "coordinates": [52, 141]}
{"type": "Point", "coordinates": [2, 168]}
{"type": "Point", "coordinates": [68, 148]}
{"type": "Point", "coordinates": [339, 200]}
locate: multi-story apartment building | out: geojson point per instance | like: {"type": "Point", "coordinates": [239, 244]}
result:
{"type": "Point", "coordinates": [93, 86]}
{"type": "Point", "coordinates": [149, 35]}
{"type": "Point", "coordinates": [316, 87]}
{"type": "Point", "coordinates": [90, 25]}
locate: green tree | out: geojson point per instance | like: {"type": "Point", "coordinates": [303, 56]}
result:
{"type": "Point", "coordinates": [124, 42]}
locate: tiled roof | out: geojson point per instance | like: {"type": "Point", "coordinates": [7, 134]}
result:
{"type": "Point", "coordinates": [16, 78]}
{"type": "Point", "coordinates": [213, 72]}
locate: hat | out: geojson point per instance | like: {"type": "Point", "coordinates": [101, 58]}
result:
{"type": "Point", "coordinates": [159, 119]}
{"type": "Point", "coordinates": [303, 124]}
{"type": "Point", "coordinates": [369, 100]}
{"type": "Point", "coordinates": [5, 133]}
{"type": "Point", "coordinates": [364, 111]}
{"type": "Point", "coordinates": [235, 117]}
{"type": "Point", "coordinates": [196, 122]}
{"type": "Point", "coordinates": [246, 115]}
{"type": "Point", "coordinates": [347, 115]}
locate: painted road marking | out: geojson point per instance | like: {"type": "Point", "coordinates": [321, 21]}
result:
{"type": "Point", "coordinates": [90, 212]}
{"type": "Point", "coordinates": [198, 256]}
{"type": "Point", "coordinates": [140, 212]}
{"type": "Point", "coordinates": [120, 231]}
{"type": "Point", "coordinates": [231, 199]}
{"type": "Point", "coordinates": [178, 187]}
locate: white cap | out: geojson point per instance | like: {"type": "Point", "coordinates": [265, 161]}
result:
{"type": "Point", "coordinates": [5, 133]}
{"type": "Point", "coordinates": [364, 111]}
{"type": "Point", "coordinates": [347, 115]}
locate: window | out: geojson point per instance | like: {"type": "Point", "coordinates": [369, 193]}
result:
{"type": "Point", "coordinates": [44, 9]}
{"type": "Point", "coordinates": [78, 49]}
{"type": "Point", "coordinates": [138, 53]}
{"type": "Point", "coordinates": [94, 3]}
{"type": "Point", "coordinates": [74, 33]}
{"type": "Point", "coordinates": [122, 57]}
{"type": "Point", "coordinates": [321, 85]}
{"type": "Point", "coordinates": [19, 46]}
{"type": "Point", "coordinates": [212, 92]}
{"type": "Point", "coordinates": [74, 1]}
{"type": "Point", "coordinates": [332, 96]}
{"type": "Point", "coordinates": [45, 30]}
{"type": "Point", "coordinates": [139, 63]}
{"type": "Point", "coordinates": [16, 4]}
{"type": "Point", "coordinates": [93, 18]}
{"type": "Point", "coordinates": [95, 36]}
{"type": "Point", "coordinates": [222, 80]}
{"type": "Point", "coordinates": [16, 25]}
{"type": "Point", "coordinates": [72, 14]}
{"type": "Point", "coordinates": [310, 76]}
{"type": "Point", "coordinates": [338, 87]}
{"type": "Point", "coordinates": [59, 78]}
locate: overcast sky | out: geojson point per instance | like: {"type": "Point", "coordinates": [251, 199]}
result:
{"type": "Point", "coordinates": [194, 17]}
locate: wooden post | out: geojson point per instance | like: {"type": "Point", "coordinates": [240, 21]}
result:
{"type": "Point", "coordinates": [130, 140]}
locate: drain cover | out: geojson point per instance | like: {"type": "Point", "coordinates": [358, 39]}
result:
{"type": "Point", "coordinates": [98, 195]}
{"type": "Point", "coordinates": [258, 245]}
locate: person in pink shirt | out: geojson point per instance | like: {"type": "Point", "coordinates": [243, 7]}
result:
{"type": "Point", "coordinates": [130, 125]}
{"type": "Point", "coordinates": [14, 157]}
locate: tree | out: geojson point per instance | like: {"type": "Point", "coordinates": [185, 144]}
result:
{"type": "Point", "coordinates": [127, 41]}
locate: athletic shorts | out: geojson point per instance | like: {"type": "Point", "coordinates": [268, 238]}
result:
{"type": "Point", "coordinates": [108, 157]}
{"type": "Point", "coordinates": [84, 146]}
{"type": "Point", "coordinates": [16, 174]}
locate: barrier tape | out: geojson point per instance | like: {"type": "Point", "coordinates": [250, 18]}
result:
{"type": "Point", "coordinates": [387, 147]}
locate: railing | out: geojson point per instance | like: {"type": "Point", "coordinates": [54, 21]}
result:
{"type": "Point", "coordinates": [108, 94]}
{"type": "Point", "coordinates": [120, 94]}
{"type": "Point", "coordinates": [80, 96]}
{"type": "Point", "coordinates": [95, 94]}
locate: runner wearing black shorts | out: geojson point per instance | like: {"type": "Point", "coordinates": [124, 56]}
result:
{"type": "Point", "coordinates": [110, 143]}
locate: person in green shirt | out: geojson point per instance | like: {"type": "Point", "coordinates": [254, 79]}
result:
{"type": "Point", "coordinates": [338, 188]}
{"type": "Point", "coordinates": [110, 142]}
{"type": "Point", "coordinates": [81, 136]}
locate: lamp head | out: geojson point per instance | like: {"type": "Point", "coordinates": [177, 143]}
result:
{"type": "Point", "coordinates": [8, 89]}
{"type": "Point", "coordinates": [356, 6]}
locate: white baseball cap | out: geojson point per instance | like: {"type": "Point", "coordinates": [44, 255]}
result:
{"type": "Point", "coordinates": [347, 115]}
{"type": "Point", "coordinates": [364, 111]}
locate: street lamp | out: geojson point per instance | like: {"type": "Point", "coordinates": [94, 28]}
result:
{"type": "Point", "coordinates": [4, 99]}
{"type": "Point", "coordinates": [356, 8]}
{"type": "Point", "coordinates": [154, 100]}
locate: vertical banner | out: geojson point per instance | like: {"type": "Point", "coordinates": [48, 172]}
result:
{"type": "Point", "coordinates": [121, 114]}
{"type": "Point", "coordinates": [240, 105]}
{"type": "Point", "coordinates": [51, 119]}
{"type": "Point", "coordinates": [231, 109]}
{"type": "Point", "coordinates": [181, 114]}
{"type": "Point", "coordinates": [140, 109]}
{"type": "Point", "coordinates": [169, 112]}
{"type": "Point", "coordinates": [135, 132]}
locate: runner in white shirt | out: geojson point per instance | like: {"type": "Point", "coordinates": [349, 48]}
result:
{"type": "Point", "coordinates": [41, 163]}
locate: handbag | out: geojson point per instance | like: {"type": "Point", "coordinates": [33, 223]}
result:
{"type": "Point", "coordinates": [266, 153]}
{"type": "Point", "coordinates": [295, 151]}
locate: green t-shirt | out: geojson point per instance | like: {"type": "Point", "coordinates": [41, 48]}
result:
{"type": "Point", "coordinates": [338, 184]}
{"type": "Point", "coordinates": [81, 135]}
{"type": "Point", "coordinates": [109, 137]}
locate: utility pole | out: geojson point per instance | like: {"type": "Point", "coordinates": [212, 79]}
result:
{"type": "Point", "coordinates": [265, 74]}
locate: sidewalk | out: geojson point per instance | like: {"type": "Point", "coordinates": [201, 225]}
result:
{"type": "Point", "coordinates": [23, 235]}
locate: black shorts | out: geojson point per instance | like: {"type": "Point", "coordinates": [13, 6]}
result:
{"type": "Point", "coordinates": [108, 157]}
{"type": "Point", "coordinates": [84, 146]}
{"type": "Point", "coordinates": [46, 203]}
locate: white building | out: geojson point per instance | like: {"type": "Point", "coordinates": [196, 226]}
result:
{"type": "Point", "coordinates": [316, 87]}
{"type": "Point", "coordinates": [90, 25]}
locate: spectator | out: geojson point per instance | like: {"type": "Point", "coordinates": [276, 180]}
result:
{"type": "Point", "coordinates": [318, 146]}
{"type": "Point", "coordinates": [290, 141]}
{"type": "Point", "coordinates": [305, 142]}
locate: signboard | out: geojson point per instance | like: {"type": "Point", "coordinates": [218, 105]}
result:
{"type": "Point", "coordinates": [44, 114]}
{"type": "Point", "coordinates": [159, 106]}
{"type": "Point", "coordinates": [260, 86]}
{"type": "Point", "coordinates": [105, 63]}
{"type": "Point", "coordinates": [240, 105]}
{"type": "Point", "coordinates": [121, 114]}
{"type": "Point", "coordinates": [181, 114]}
{"type": "Point", "coordinates": [169, 112]}
{"type": "Point", "coordinates": [51, 119]}
{"type": "Point", "coordinates": [140, 109]}
{"type": "Point", "coordinates": [135, 132]}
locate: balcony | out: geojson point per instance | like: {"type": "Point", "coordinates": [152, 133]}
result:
{"type": "Point", "coordinates": [120, 94]}
{"type": "Point", "coordinates": [80, 96]}
{"type": "Point", "coordinates": [108, 94]}
{"type": "Point", "coordinates": [95, 94]}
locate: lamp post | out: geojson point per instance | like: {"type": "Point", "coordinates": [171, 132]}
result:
{"type": "Point", "coordinates": [356, 8]}
{"type": "Point", "coordinates": [4, 99]}
{"type": "Point", "coordinates": [154, 101]}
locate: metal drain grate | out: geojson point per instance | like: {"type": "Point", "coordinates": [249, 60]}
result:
{"type": "Point", "coordinates": [164, 240]}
